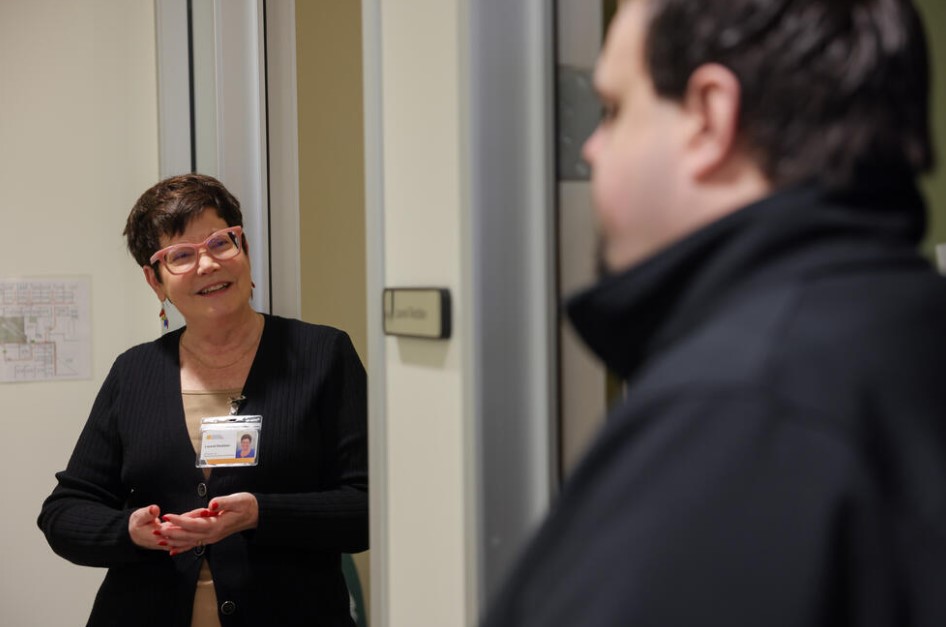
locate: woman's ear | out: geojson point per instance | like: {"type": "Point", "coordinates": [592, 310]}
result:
{"type": "Point", "coordinates": [154, 283]}
{"type": "Point", "coordinates": [712, 104]}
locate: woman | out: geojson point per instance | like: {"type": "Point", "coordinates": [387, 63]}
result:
{"type": "Point", "coordinates": [235, 544]}
{"type": "Point", "coordinates": [246, 450]}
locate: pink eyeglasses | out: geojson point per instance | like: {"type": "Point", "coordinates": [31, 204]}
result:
{"type": "Point", "coordinates": [182, 258]}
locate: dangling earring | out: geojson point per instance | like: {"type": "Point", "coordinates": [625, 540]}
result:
{"type": "Point", "coordinates": [164, 317]}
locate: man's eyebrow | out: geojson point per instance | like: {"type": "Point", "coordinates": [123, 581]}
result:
{"type": "Point", "coordinates": [601, 91]}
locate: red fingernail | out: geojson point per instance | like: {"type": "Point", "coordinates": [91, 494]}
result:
{"type": "Point", "coordinates": [214, 505]}
{"type": "Point", "coordinates": [164, 518]}
{"type": "Point", "coordinates": [173, 552]}
{"type": "Point", "coordinates": [162, 543]}
{"type": "Point", "coordinates": [156, 532]}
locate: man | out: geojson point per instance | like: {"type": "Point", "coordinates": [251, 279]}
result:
{"type": "Point", "coordinates": [780, 457]}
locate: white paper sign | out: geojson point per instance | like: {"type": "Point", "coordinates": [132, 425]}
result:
{"type": "Point", "coordinates": [45, 330]}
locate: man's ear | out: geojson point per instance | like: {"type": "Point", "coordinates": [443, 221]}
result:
{"type": "Point", "coordinates": [711, 103]}
{"type": "Point", "coordinates": [153, 282]}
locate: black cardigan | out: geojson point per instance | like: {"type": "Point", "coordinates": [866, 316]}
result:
{"type": "Point", "coordinates": [311, 484]}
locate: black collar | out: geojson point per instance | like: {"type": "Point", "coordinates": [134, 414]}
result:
{"type": "Point", "coordinates": [796, 232]}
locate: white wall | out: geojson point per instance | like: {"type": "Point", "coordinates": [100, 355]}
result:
{"type": "Point", "coordinates": [426, 569]}
{"type": "Point", "coordinates": [78, 144]}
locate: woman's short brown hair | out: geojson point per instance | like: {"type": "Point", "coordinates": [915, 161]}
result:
{"type": "Point", "coordinates": [168, 207]}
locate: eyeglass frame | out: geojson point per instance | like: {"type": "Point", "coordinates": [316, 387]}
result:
{"type": "Point", "coordinates": [236, 231]}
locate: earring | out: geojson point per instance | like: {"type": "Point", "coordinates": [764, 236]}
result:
{"type": "Point", "coordinates": [164, 317]}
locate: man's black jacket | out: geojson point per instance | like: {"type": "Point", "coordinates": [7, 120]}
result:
{"type": "Point", "coordinates": [780, 457]}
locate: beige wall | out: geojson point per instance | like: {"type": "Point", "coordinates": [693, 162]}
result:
{"type": "Point", "coordinates": [331, 166]}
{"type": "Point", "coordinates": [425, 571]}
{"type": "Point", "coordinates": [331, 178]}
{"type": "Point", "coordinates": [428, 445]}
{"type": "Point", "coordinates": [934, 186]}
{"type": "Point", "coordinates": [78, 143]}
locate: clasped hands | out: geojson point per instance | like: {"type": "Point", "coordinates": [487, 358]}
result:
{"type": "Point", "coordinates": [176, 533]}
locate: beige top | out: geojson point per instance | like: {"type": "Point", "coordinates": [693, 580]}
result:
{"type": "Point", "coordinates": [197, 405]}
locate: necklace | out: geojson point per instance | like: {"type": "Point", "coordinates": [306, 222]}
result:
{"type": "Point", "coordinates": [232, 363]}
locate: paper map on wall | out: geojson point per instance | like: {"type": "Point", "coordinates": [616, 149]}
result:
{"type": "Point", "coordinates": [45, 330]}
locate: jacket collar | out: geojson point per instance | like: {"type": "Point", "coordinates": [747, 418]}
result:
{"type": "Point", "coordinates": [805, 229]}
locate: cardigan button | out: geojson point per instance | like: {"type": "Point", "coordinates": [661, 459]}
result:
{"type": "Point", "coordinates": [227, 608]}
{"type": "Point", "coordinates": [201, 489]}
{"type": "Point", "coordinates": [199, 550]}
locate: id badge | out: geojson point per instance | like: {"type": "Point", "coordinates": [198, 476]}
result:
{"type": "Point", "coordinates": [229, 441]}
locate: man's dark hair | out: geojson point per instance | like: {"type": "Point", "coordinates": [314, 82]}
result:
{"type": "Point", "coordinates": [830, 88]}
{"type": "Point", "coordinates": [168, 207]}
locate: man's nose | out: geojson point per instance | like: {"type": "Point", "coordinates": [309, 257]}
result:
{"type": "Point", "coordinates": [590, 147]}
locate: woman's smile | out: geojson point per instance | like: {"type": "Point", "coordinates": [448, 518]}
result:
{"type": "Point", "coordinates": [216, 288]}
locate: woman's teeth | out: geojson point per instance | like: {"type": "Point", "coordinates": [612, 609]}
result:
{"type": "Point", "coordinates": [214, 288]}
